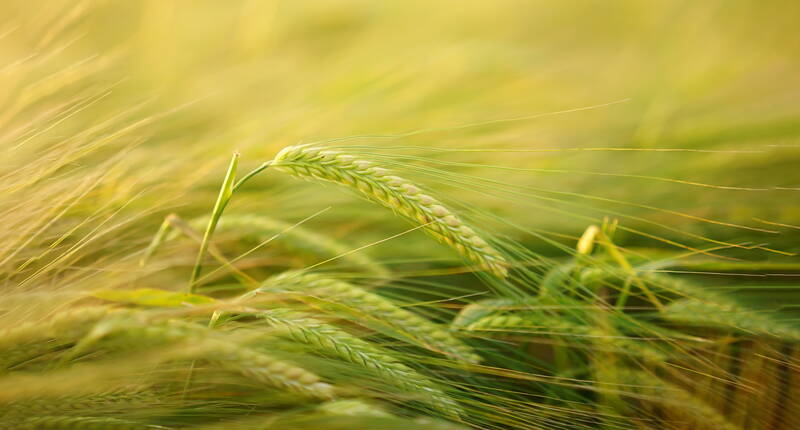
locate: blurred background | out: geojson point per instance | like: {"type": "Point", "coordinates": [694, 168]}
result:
{"type": "Point", "coordinates": [679, 118]}
{"type": "Point", "coordinates": [535, 119]}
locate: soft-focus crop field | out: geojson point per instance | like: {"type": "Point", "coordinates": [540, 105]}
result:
{"type": "Point", "coordinates": [493, 214]}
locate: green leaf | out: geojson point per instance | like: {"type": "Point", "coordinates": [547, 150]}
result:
{"type": "Point", "coordinates": [153, 297]}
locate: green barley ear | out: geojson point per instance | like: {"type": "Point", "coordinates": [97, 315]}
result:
{"type": "Point", "coordinates": [475, 311]}
{"type": "Point", "coordinates": [726, 314]}
{"type": "Point", "coordinates": [372, 307]}
{"type": "Point", "coordinates": [333, 341]}
{"type": "Point", "coordinates": [393, 192]}
{"type": "Point", "coordinates": [108, 401]}
{"type": "Point", "coordinates": [36, 338]}
{"type": "Point", "coordinates": [201, 343]}
{"type": "Point", "coordinates": [544, 324]}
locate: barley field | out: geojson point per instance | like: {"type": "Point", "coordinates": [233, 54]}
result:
{"type": "Point", "coordinates": [352, 214]}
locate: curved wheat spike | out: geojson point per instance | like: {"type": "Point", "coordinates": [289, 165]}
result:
{"type": "Point", "coordinates": [111, 400]}
{"type": "Point", "coordinates": [393, 192]}
{"type": "Point", "coordinates": [729, 315]}
{"type": "Point", "coordinates": [295, 237]}
{"type": "Point", "coordinates": [336, 342]}
{"type": "Point", "coordinates": [475, 311]}
{"type": "Point", "coordinates": [205, 344]}
{"type": "Point", "coordinates": [67, 422]}
{"type": "Point", "coordinates": [557, 280]}
{"type": "Point", "coordinates": [268, 370]}
{"type": "Point", "coordinates": [373, 307]}
{"type": "Point", "coordinates": [85, 327]}
{"type": "Point", "coordinates": [533, 323]}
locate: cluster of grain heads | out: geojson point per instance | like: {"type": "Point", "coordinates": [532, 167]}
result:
{"type": "Point", "coordinates": [398, 194]}
{"type": "Point", "coordinates": [371, 308]}
{"type": "Point", "coordinates": [335, 342]}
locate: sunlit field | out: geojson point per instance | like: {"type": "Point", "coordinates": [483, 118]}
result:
{"type": "Point", "coordinates": [399, 215]}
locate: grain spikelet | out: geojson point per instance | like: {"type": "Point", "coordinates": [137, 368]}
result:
{"type": "Point", "coordinates": [729, 315]}
{"type": "Point", "coordinates": [376, 308]}
{"type": "Point", "coordinates": [393, 192]}
{"type": "Point", "coordinates": [225, 353]}
{"type": "Point", "coordinates": [533, 323]}
{"type": "Point", "coordinates": [333, 341]}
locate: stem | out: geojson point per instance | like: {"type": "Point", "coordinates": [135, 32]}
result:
{"type": "Point", "coordinates": [254, 172]}
{"type": "Point", "coordinates": [223, 198]}
{"type": "Point", "coordinates": [225, 193]}
{"type": "Point", "coordinates": [623, 262]}
{"type": "Point", "coordinates": [158, 239]}
{"type": "Point", "coordinates": [184, 228]}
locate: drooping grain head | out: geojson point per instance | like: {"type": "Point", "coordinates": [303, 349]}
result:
{"type": "Point", "coordinates": [400, 195]}
{"type": "Point", "coordinates": [375, 308]}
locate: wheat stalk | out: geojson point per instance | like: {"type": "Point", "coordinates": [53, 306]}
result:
{"type": "Point", "coordinates": [373, 307]}
{"type": "Point", "coordinates": [400, 195]}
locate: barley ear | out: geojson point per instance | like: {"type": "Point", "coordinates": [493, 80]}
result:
{"type": "Point", "coordinates": [333, 341]}
{"type": "Point", "coordinates": [373, 308]}
{"type": "Point", "coordinates": [393, 192]}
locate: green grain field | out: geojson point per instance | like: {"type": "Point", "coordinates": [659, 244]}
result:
{"type": "Point", "coordinates": [346, 214]}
